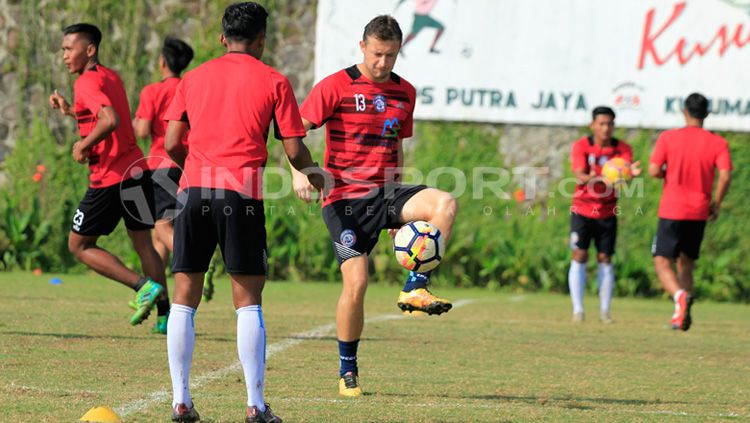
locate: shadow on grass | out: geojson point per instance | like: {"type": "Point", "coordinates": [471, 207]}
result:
{"type": "Point", "coordinates": [335, 339]}
{"type": "Point", "coordinates": [73, 335]}
{"type": "Point", "coordinates": [566, 402]}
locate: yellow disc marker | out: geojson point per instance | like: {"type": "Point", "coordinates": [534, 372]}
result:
{"type": "Point", "coordinates": [101, 414]}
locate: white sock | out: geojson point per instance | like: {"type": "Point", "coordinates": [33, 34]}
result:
{"type": "Point", "coordinates": [606, 282]}
{"type": "Point", "coordinates": [180, 344]}
{"type": "Point", "coordinates": [577, 284]}
{"type": "Point", "coordinates": [251, 346]}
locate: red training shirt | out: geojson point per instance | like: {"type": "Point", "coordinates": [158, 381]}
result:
{"type": "Point", "coordinates": [596, 200]}
{"type": "Point", "coordinates": [110, 159]}
{"type": "Point", "coordinates": [692, 155]}
{"type": "Point", "coordinates": [154, 100]}
{"type": "Point", "coordinates": [365, 122]}
{"type": "Point", "coordinates": [229, 103]}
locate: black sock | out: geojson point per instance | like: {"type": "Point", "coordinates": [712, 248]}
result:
{"type": "Point", "coordinates": [162, 307]}
{"type": "Point", "coordinates": [139, 284]}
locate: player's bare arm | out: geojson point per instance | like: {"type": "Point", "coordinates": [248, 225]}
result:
{"type": "Point", "coordinates": [299, 157]}
{"type": "Point", "coordinates": [302, 186]}
{"type": "Point", "coordinates": [657, 171]}
{"type": "Point", "coordinates": [583, 177]}
{"type": "Point", "coordinates": [722, 187]}
{"type": "Point", "coordinates": [142, 128]}
{"type": "Point", "coordinates": [106, 123]}
{"type": "Point", "coordinates": [176, 131]}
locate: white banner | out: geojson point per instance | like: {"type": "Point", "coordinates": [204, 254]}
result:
{"type": "Point", "coordinates": [552, 61]}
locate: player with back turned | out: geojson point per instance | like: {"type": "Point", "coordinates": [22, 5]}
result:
{"type": "Point", "coordinates": [228, 104]}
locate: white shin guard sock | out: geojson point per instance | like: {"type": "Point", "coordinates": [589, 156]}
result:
{"type": "Point", "coordinates": [577, 284]}
{"type": "Point", "coordinates": [606, 282]}
{"type": "Point", "coordinates": [180, 344]}
{"type": "Point", "coordinates": [251, 346]}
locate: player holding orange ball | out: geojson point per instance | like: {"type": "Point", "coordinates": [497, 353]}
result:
{"type": "Point", "coordinates": [592, 213]}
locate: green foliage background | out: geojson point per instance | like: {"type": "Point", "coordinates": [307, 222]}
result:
{"type": "Point", "coordinates": [498, 243]}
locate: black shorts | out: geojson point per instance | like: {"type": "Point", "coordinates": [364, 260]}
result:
{"type": "Point", "coordinates": [355, 224]}
{"type": "Point", "coordinates": [166, 181]}
{"type": "Point", "coordinates": [602, 231]}
{"type": "Point", "coordinates": [101, 209]}
{"type": "Point", "coordinates": [208, 216]}
{"type": "Point", "coordinates": [678, 236]}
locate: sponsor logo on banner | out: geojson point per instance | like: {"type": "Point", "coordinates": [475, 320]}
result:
{"type": "Point", "coordinates": [628, 96]}
{"type": "Point", "coordinates": [658, 37]}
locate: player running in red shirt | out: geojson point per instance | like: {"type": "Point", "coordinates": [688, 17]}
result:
{"type": "Point", "coordinates": [368, 111]}
{"type": "Point", "coordinates": [149, 123]}
{"type": "Point", "coordinates": [687, 159]}
{"type": "Point", "coordinates": [118, 187]}
{"type": "Point", "coordinates": [593, 211]}
{"type": "Point", "coordinates": [228, 103]}
{"type": "Point", "coordinates": [165, 174]}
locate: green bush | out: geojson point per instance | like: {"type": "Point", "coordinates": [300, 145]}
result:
{"type": "Point", "coordinates": [502, 243]}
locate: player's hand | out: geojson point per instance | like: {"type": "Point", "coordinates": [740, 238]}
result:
{"type": "Point", "coordinates": [57, 101]}
{"type": "Point", "coordinates": [635, 168]}
{"type": "Point", "coordinates": [317, 178]}
{"type": "Point", "coordinates": [713, 211]}
{"type": "Point", "coordinates": [303, 187]}
{"type": "Point", "coordinates": [80, 154]}
{"type": "Point", "coordinates": [592, 177]}
{"type": "Point", "coordinates": [392, 233]}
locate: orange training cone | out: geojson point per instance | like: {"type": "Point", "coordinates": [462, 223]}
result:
{"type": "Point", "coordinates": [101, 414]}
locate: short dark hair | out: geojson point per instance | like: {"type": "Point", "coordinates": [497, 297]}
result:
{"type": "Point", "coordinates": [384, 28]}
{"type": "Point", "coordinates": [602, 110]}
{"type": "Point", "coordinates": [697, 105]}
{"type": "Point", "coordinates": [244, 22]}
{"type": "Point", "coordinates": [91, 32]}
{"type": "Point", "coordinates": [177, 54]}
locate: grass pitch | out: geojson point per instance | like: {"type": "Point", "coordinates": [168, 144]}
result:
{"type": "Point", "coordinates": [496, 357]}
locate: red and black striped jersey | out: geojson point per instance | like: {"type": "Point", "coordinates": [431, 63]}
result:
{"type": "Point", "coordinates": [596, 200]}
{"type": "Point", "coordinates": [365, 122]}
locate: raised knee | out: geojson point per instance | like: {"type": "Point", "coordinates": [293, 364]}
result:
{"type": "Point", "coordinates": [447, 205]}
{"type": "Point", "coordinates": [76, 246]}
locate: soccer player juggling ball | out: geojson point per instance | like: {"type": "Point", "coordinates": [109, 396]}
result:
{"type": "Point", "coordinates": [368, 112]}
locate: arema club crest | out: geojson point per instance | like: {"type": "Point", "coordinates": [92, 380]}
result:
{"type": "Point", "coordinates": [379, 103]}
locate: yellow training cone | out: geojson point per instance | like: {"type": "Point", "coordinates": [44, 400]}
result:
{"type": "Point", "coordinates": [101, 414]}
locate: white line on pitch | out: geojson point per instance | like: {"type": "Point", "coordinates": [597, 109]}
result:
{"type": "Point", "coordinates": [163, 395]}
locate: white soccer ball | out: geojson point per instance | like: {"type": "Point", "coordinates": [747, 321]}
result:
{"type": "Point", "coordinates": [419, 246]}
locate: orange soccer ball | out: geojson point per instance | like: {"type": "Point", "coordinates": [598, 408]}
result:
{"type": "Point", "coordinates": [617, 170]}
